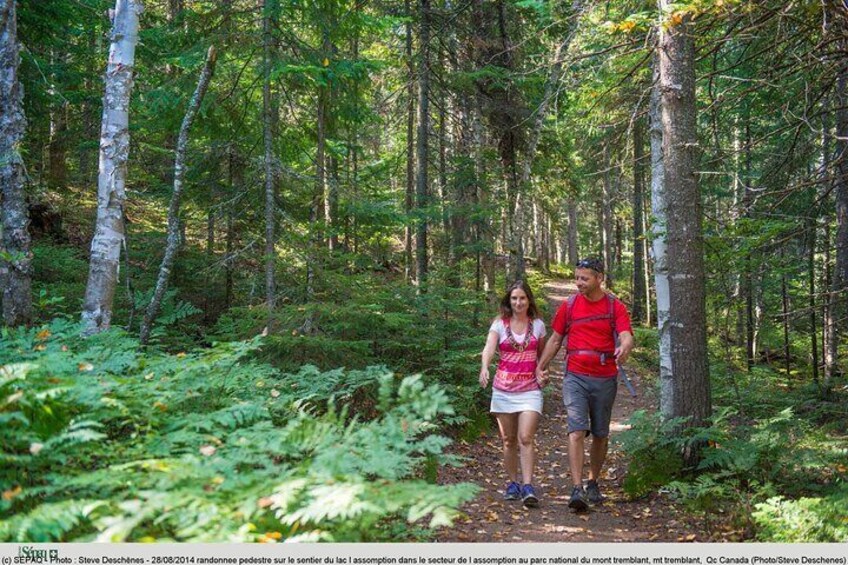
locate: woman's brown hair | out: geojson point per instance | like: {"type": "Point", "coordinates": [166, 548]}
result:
{"type": "Point", "coordinates": [506, 306]}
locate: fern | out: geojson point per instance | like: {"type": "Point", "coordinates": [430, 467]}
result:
{"type": "Point", "coordinates": [120, 445]}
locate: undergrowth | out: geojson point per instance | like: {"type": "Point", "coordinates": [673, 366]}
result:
{"type": "Point", "coordinates": [102, 441]}
{"type": "Point", "coordinates": [772, 462]}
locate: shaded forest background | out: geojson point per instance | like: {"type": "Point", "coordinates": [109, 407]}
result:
{"type": "Point", "coordinates": [359, 183]}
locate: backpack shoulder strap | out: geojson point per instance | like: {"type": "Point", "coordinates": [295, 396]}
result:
{"type": "Point", "coordinates": [568, 312]}
{"type": "Point", "coordinates": [611, 299]}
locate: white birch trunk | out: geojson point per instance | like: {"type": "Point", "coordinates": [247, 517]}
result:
{"type": "Point", "coordinates": [15, 255]}
{"type": "Point", "coordinates": [658, 227]}
{"type": "Point", "coordinates": [111, 181]}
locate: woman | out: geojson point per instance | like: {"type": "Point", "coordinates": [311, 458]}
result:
{"type": "Point", "coordinates": [519, 336]}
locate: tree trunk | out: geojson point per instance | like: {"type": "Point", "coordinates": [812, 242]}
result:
{"type": "Point", "coordinates": [648, 273]}
{"type": "Point", "coordinates": [573, 255]}
{"type": "Point", "coordinates": [828, 351]}
{"type": "Point", "coordinates": [637, 312]}
{"type": "Point", "coordinates": [409, 202]}
{"type": "Point", "coordinates": [606, 217]}
{"type": "Point", "coordinates": [690, 391]}
{"type": "Point", "coordinates": [748, 288]}
{"type": "Point", "coordinates": [267, 133]}
{"type": "Point", "coordinates": [421, 192]}
{"type": "Point", "coordinates": [236, 182]}
{"type": "Point", "coordinates": [784, 293]}
{"type": "Point", "coordinates": [174, 240]}
{"type": "Point", "coordinates": [660, 247]}
{"type": "Point", "coordinates": [57, 172]}
{"type": "Point", "coordinates": [15, 254]}
{"type": "Point", "coordinates": [839, 285]}
{"type": "Point", "coordinates": [111, 181]}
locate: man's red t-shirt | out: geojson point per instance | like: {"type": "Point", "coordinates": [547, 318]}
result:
{"type": "Point", "coordinates": [595, 335]}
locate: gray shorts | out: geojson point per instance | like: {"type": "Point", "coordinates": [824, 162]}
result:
{"type": "Point", "coordinates": [589, 400]}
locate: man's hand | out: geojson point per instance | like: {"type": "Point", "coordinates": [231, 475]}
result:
{"type": "Point", "coordinates": [484, 377]}
{"type": "Point", "coordinates": [622, 352]}
{"type": "Point", "coordinates": [542, 377]}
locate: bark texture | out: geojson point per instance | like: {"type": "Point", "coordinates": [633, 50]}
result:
{"type": "Point", "coordinates": [270, 263]}
{"type": "Point", "coordinates": [15, 254]}
{"type": "Point", "coordinates": [174, 240]}
{"type": "Point", "coordinates": [409, 266]}
{"type": "Point", "coordinates": [658, 230]}
{"type": "Point", "coordinates": [639, 283]}
{"type": "Point", "coordinates": [839, 286]}
{"type": "Point", "coordinates": [689, 395]}
{"type": "Point", "coordinates": [111, 180]}
{"type": "Point", "coordinates": [421, 190]}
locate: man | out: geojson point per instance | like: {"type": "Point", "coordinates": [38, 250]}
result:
{"type": "Point", "coordinates": [592, 320]}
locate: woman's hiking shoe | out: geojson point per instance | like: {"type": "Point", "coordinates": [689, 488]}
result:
{"type": "Point", "coordinates": [513, 491]}
{"type": "Point", "coordinates": [528, 496]}
{"type": "Point", "coordinates": [578, 499]}
{"type": "Point", "coordinates": [593, 492]}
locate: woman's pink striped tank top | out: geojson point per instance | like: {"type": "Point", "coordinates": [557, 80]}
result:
{"type": "Point", "coordinates": [516, 369]}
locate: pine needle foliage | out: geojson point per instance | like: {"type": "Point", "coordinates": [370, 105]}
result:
{"type": "Point", "coordinates": [101, 441]}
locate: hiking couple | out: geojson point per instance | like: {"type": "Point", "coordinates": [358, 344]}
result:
{"type": "Point", "coordinates": [599, 334]}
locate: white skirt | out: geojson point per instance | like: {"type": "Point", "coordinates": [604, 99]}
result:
{"type": "Point", "coordinates": [512, 402]}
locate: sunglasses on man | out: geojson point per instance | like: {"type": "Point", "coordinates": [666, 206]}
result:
{"type": "Point", "coordinates": [594, 264]}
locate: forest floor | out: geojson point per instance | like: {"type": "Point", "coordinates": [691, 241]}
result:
{"type": "Point", "coordinates": [490, 518]}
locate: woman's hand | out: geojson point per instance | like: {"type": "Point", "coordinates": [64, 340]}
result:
{"type": "Point", "coordinates": [484, 377]}
{"type": "Point", "coordinates": [542, 378]}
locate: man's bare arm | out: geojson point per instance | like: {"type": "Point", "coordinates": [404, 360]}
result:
{"type": "Point", "coordinates": [551, 348]}
{"type": "Point", "coordinates": [625, 346]}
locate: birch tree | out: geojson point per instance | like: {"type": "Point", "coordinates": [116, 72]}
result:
{"type": "Point", "coordinates": [15, 255]}
{"type": "Point", "coordinates": [111, 181]}
{"type": "Point", "coordinates": [658, 227]}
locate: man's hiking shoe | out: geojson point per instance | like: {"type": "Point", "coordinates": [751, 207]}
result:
{"type": "Point", "coordinates": [578, 499]}
{"type": "Point", "coordinates": [593, 492]}
{"type": "Point", "coordinates": [528, 496]}
{"type": "Point", "coordinates": [513, 491]}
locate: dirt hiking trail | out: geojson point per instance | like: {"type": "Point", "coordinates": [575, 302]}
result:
{"type": "Point", "coordinates": [490, 518]}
